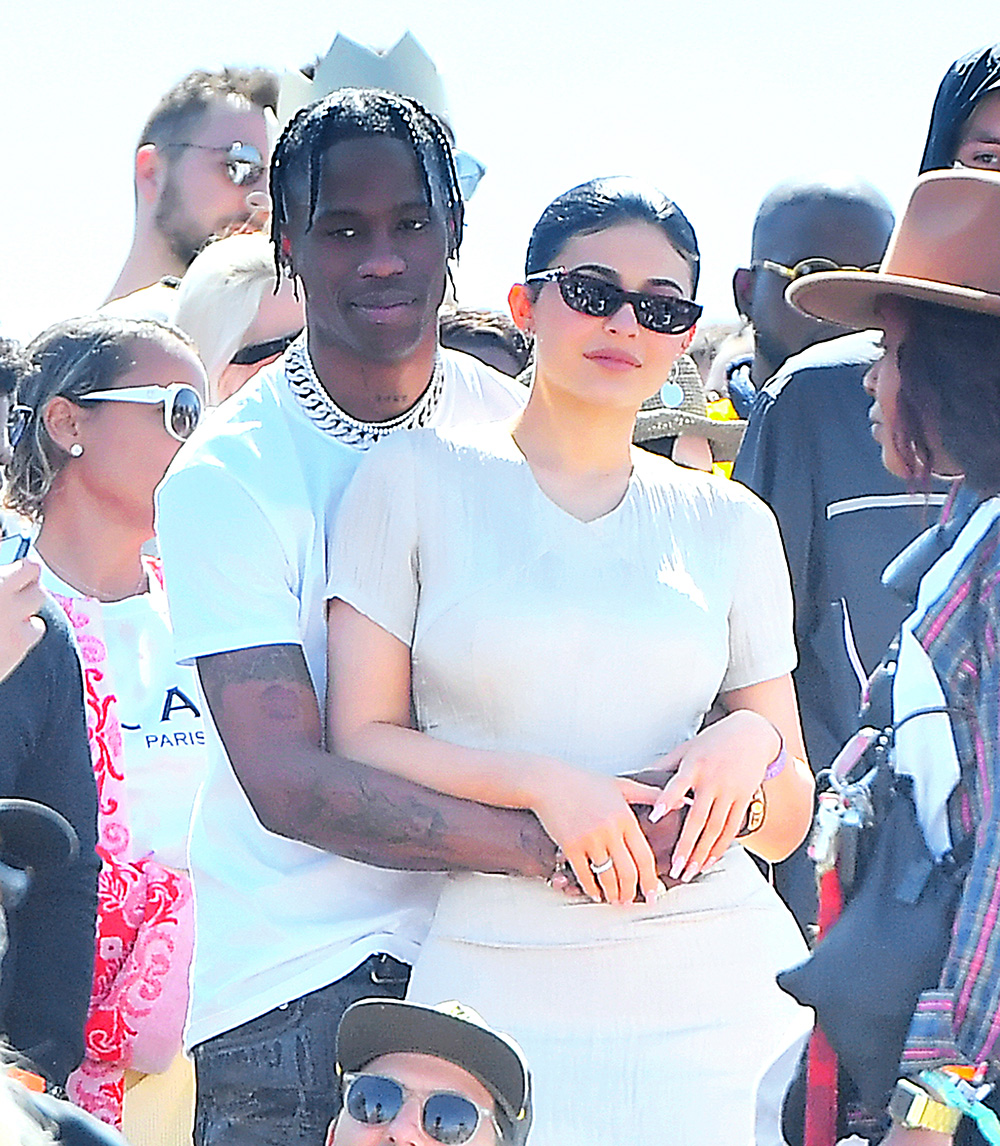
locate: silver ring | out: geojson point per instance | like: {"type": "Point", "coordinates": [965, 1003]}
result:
{"type": "Point", "coordinates": [601, 868]}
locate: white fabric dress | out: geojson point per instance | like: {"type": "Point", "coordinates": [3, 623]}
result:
{"type": "Point", "coordinates": [602, 643]}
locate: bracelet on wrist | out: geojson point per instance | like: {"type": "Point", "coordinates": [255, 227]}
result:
{"type": "Point", "coordinates": [777, 765]}
{"type": "Point", "coordinates": [912, 1108]}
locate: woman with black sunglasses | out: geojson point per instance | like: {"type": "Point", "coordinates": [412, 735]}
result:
{"type": "Point", "coordinates": [104, 406]}
{"type": "Point", "coordinates": [561, 610]}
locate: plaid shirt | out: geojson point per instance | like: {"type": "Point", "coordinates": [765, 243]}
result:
{"type": "Point", "coordinates": [959, 1020]}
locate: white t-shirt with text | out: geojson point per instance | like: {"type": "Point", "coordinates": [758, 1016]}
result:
{"type": "Point", "coordinates": [159, 710]}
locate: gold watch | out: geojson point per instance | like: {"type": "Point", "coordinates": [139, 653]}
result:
{"type": "Point", "coordinates": [756, 812]}
{"type": "Point", "coordinates": [914, 1109]}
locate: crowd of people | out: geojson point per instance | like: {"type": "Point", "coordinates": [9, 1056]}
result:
{"type": "Point", "coordinates": [431, 705]}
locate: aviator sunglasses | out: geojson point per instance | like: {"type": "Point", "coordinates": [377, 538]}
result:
{"type": "Point", "coordinates": [244, 163]}
{"type": "Point", "coordinates": [181, 404]}
{"type": "Point", "coordinates": [588, 294]}
{"type": "Point", "coordinates": [814, 266]}
{"type": "Point", "coordinates": [375, 1100]}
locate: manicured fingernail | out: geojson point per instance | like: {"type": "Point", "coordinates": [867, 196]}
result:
{"type": "Point", "coordinates": [657, 813]}
{"type": "Point", "coordinates": [689, 874]}
{"type": "Point", "coordinates": [710, 864]}
{"type": "Point", "coordinates": [677, 866]}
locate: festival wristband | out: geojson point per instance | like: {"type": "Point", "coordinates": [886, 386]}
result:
{"type": "Point", "coordinates": [777, 765]}
{"type": "Point", "coordinates": [963, 1097]}
{"type": "Point", "coordinates": [912, 1108]}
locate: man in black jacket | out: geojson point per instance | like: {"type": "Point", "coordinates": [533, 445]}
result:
{"type": "Point", "coordinates": [808, 452]}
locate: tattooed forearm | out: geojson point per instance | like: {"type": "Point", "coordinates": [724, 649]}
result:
{"type": "Point", "coordinates": [273, 665]}
{"type": "Point", "coordinates": [263, 704]}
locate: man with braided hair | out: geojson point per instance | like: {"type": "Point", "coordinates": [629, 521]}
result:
{"type": "Point", "coordinates": [314, 876]}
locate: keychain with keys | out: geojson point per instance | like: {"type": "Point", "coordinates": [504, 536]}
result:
{"type": "Point", "coordinates": [843, 810]}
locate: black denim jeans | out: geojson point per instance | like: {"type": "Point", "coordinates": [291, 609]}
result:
{"type": "Point", "coordinates": [272, 1081]}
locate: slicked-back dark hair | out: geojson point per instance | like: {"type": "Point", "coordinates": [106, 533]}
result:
{"type": "Point", "coordinates": [190, 98]}
{"type": "Point", "coordinates": [361, 113]}
{"type": "Point", "coordinates": [602, 203]}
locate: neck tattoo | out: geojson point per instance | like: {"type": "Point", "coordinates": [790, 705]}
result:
{"type": "Point", "coordinates": [324, 412]}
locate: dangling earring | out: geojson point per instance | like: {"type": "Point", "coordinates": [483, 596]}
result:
{"type": "Point", "coordinates": [76, 450]}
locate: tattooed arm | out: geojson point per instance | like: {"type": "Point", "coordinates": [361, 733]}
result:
{"type": "Point", "coordinates": [264, 707]}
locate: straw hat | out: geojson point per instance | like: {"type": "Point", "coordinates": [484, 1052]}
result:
{"type": "Point", "coordinates": [945, 249]}
{"type": "Point", "coordinates": [679, 407]}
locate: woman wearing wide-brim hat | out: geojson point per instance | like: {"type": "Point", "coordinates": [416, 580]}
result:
{"type": "Point", "coordinates": [936, 410]}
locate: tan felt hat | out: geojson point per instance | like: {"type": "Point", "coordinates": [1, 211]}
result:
{"type": "Point", "coordinates": [945, 249]}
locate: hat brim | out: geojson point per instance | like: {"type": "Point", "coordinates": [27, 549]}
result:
{"type": "Point", "coordinates": [375, 1027]}
{"type": "Point", "coordinates": [852, 298]}
{"type": "Point", "coordinates": [724, 434]}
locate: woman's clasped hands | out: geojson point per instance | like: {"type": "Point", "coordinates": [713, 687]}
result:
{"type": "Point", "coordinates": [590, 818]}
{"type": "Point", "coordinates": [717, 774]}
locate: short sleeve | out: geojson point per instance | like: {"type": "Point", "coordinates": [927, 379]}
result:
{"type": "Point", "coordinates": [229, 582]}
{"type": "Point", "coordinates": [374, 555]}
{"type": "Point", "coordinates": [761, 642]}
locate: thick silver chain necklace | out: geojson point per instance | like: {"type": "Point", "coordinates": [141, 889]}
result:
{"type": "Point", "coordinates": [321, 409]}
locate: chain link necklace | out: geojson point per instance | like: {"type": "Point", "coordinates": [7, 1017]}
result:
{"type": "Point", "coordinates": [323, 412]}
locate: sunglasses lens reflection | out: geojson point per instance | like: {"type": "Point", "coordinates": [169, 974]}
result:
{"type": "Point", "coordinates": [662, 314]}
{"type": "Point", "coordinates": [245, 164]}
{"type": "Point", "coordinates": [373, 1100]}
{"type": "Point", "coordinates": [185, 413]}
{"type": "Point", "coordinates": [242, 172]}
{"type": "Point", "coordinates": [590, 295]}
{"type": "Point", "coordinates": [450, 1118]}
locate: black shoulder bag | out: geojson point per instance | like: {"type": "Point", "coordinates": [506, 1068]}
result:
{"type": "Point", "coordinates": [865, 975]}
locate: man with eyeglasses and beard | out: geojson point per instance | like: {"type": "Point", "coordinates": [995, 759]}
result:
{"type": "Point", "coordinates": [202, 152]}
{"type": "Point", "coordinates": [809, 453]}
{"type": "Point", "coordinates": [412, 1075]}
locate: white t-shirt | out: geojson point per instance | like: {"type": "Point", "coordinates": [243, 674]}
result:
{"type": "Point", "coordinates": [160, 712]}
{"type": "Point", "coordinates": [244, 519]}
{"type": "Point", "coordinates": [602, 643]}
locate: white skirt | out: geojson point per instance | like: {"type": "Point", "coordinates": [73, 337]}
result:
{"type": "Point", "coordinates": [655, 1025]}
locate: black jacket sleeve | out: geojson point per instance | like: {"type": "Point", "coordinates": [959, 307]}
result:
{"type": "Point", "coordinates": [46, 977]}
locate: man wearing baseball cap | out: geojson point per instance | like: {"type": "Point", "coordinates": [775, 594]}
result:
{"type": "Point", "coordinates": [414, 1075]}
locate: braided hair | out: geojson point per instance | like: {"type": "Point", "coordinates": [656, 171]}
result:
{"type": "Point", "coordinates": [361, 113]}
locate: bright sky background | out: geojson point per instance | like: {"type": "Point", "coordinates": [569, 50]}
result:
{"type": "Point", "coordinates": [715, 100]}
